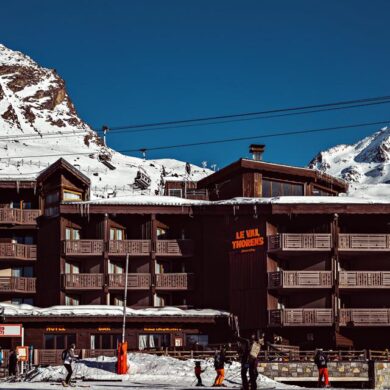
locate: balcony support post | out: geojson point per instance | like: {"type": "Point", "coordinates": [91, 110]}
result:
{"type": "Point", "coordinates": [152, 262]}
{"type": "Point", "coordinates": [106, 237]}
{"type": "Point", "coordinates": [335, 230]}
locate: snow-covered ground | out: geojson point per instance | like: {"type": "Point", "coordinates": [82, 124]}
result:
{"type": "Point", "coordinates": [145, 371]}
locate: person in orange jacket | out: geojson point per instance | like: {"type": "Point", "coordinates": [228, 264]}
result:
{"type": "Point", "coordinates": [219, 365]}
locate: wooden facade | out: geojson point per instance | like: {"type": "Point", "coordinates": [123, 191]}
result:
{"type": "Point", "coordinates": [314, 273]}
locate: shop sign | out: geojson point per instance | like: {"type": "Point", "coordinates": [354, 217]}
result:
{"type": "Point", "coordinates": [22, 353]}
{"type": "Point", "coordinates": [162, 329]}
{"type": "Point", "coordinates": [247, 239]}
{"type": "Point", "coordinates": [55, 329]}
{"type": "Point", "coordinates": [11, 330]}
{"type": "Point", "coordinates": [178, 341]}
{"type": "Point", "coordinates": [104, 329]}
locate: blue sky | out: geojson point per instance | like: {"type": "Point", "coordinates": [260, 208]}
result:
{"type": "Point", "coordinates": [131, 62]}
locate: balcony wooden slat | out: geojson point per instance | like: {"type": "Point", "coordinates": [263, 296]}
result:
{"type": "Point", "coordinates": [83, 281]}
{"type": "Point", "coordinates": [175, 281]}
{"type": "Point", "coordinates": [364, 279]}
{"type": "Point", "coordinates": [135, 281]}
{"type": "Point", "coordinates": [83, 247]}
{"type": "Point", "coordinates": [365, 317]}
{"type": "Point", "coordinates": [14, 284]}
{"type": "Point", "coordinates": [132, 247]}
{"type": "Point", "coordinates": [300, 279]}
{"type": "Point", "coordinates": [175, 248]}
{"type": "Point", "coordinates": [300, 242]}
{"type": "Point", "coordinates": [364, 242]}
{"type": "Point", "coordinates": [19, 216]}
{"type": "Point", "coordinates": [18, 251]}
{"type": "Point", "coordinates": [301, 317]}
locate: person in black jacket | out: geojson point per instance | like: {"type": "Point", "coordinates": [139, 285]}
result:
{"type": "Point", "coordinates": [12, 363]}
{"type": "Point", "coordinates": [321, 361]}
{"type": "Point", "coordinates": [249, 349]}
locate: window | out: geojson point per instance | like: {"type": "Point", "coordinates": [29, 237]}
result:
{"type": "Point", "coordinates": [273, 188]}
{"type": "Point", "coordinates": [320, 192]}
{"type": "Point", "coordinates": [53, 197]}
{"type": "Point", "coordinates": [59, 341]}
{"type": "Point", "coordinates": [26, 272]}
{"type": "Point", "coordinates": [72, 234]}
{"type": "Point", "coordinates": [20, 301]}
{"type": "Point", "coordinates": [197, 339]}
{"type": "Point", "coordinates": [117, 234]}
{"type": "Point", "coordinates": [69, 195]}
{"type": "Point", "coordinates": [118, 301]}
{"type": "Point", "coordinates": [161, 300]}
{"type": "Point", "coordinates": [72, 300]}
{"type": "Point", "coordinates": [115, 268]}
{"type": "Point", "coordinates": [151, 341]}
{"type": "Point", "coordinates": [71, 268]}
{"type": "Point", "coordinates": [105, 341]}
{"type": "Point", "coordinates": [175, 192]}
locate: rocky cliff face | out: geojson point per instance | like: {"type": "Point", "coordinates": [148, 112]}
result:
{"type": "Point", "coordinates": [366, 164]}
{"type": "Point", "coordinates": [39, 124]}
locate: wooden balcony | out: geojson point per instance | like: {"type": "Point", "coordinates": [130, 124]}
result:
{"type": "Point", "coordinates": [13, 251]}
{"type": "Point", "coordinates": [14, 284]}
{"type": "Point", "coordinates": [364, 279]}
{"type": "Point", "coordinates": [182, 282]}
{"type": "Point", "coordinates": [364, 242]}
{"type": "Point", "coordinates": [132, 247]}
{"type": "Point", "coordinates": [10, 216]}
{"type": "Point", "coordinates": [300, 279]}
{"type": "Point", "coordinates": [300, 242]}
{"type": "Point", "coordinates": [136, 281]}
{"type": "Point", "coordinates": [300, 317]}
{"type": "Point", "coordinates": [364, 317]}
{"type": "Point", "coordinates": [175, 248]}
{"type": "Point", "coordinates": [82, 281]}
{"type": "Point", "coordinates": [83, 247]}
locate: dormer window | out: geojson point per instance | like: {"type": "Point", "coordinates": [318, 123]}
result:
{"type": "Point", "coordinates": [69, 196]}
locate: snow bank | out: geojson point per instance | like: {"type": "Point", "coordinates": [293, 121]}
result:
{"type": "Point", "coordinates": [150, 370]}
{"type": "Point", "coordinates": [106, 311]}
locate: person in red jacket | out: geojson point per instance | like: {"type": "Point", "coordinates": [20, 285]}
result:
{"type": "Point", "coordinates": [198, 372]}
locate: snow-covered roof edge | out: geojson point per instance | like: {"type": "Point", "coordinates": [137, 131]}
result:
{"type": "Point", "coordinates": [24, 310]}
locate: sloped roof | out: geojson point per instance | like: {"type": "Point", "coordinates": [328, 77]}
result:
{"type": "Point", "coordinates": [65, 165]}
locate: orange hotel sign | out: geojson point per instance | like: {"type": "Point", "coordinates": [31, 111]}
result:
{"type": "Point", "coordinates": [247, 239]}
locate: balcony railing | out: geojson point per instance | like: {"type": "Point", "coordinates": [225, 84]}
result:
{"type": "Point", "coordinates": [134, 281]}
{"type": "Point", "coordinates": [132, 247]}
{"type": "Point", "coordinates": [18, 216]}
{"type": "Point", "coordinates": [172, 281]}
{"type": "Point", "coordinates": [14, 284]}
{"type": "Point", "coordinates": [83, 247]}
{"type": "Point", "coordinates": [300, 279]}
{"type": "Point", "coordinates": [175, 248]}
{"type": "Point", "coordinates": [83, 281]}
{"type": "Point", "coordinates": [364, 279]}
{"type": "Point", "coordinates": [18, 251]}
{"type": "Point", "coordinates": [300, 317]}
{"type": "Point", "coordinates": [364, 317]}
{"type": "Point", "coordinates": [300, 242]}
{"type": "Point", "coordinates": [364, 242]}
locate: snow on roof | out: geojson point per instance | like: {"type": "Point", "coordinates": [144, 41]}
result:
{"type": "Point", "coordinates": [25, 310]}
{"type": "Point", "coordinates": [144, 200]}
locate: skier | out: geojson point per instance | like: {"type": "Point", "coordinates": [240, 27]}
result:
{"type": "Point", "coordinates": [198, 371]}
{"type": "Point", "coordinates": [321, 361]}
{"type": "Point", "coordinates": [12, 363]}
{"type": "Point", "coordinates": [249, 352]}
{"type": "Point", "coordinates": [68, 356]}
{"type": "Point", "coordinates": [219, 365]}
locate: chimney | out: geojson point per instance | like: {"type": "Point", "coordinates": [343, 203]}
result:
{"type": "Point", "coordinates": [257, 151]}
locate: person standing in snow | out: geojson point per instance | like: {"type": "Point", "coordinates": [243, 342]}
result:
{"type": "Point", "coordinates": [69, 357]}
{"type": "Point", "coordinates": [12, 363]}
{"type": "Point", "coordinates": [219, 365]}
{"type": "Point", "coordinates": [321, 361]}
{"type": "Point", "coordinates": [198, 372]}
{"type": "Point", "coordinates": [250, 349]}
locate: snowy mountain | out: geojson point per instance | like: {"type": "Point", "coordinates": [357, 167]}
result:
{"type": "Point", "coordinates": [365, 165]}
{"type": "Point", "coordinates": [39, 124]}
